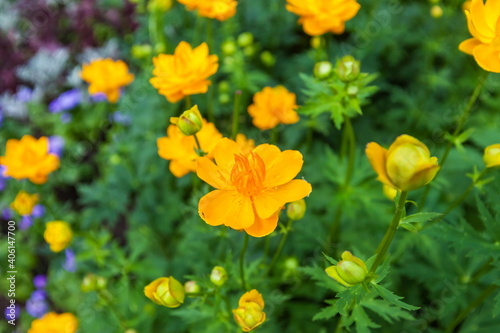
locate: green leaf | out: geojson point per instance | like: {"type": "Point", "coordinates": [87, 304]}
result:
{"type": "Point", "coordinates": [363, 322]}
{"type": "Point", "coordinates": [420, 217]}
{"type": "Point", "coordinates": [387, 311]}
{"type": "Point", "coordinates": [408, 226]}
{"type": "Point", "coordinates": [326, 313]}
{"type": "Point", "coordinates": [496, 305]}
{"type": "Point", "coordinates": [392, 298]}
{"type": "Point", "coordinates": [330, 259]}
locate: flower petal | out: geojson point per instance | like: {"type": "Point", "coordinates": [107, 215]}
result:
{"type": "Point", "coordinates": [227, 207]}
{"type": "Point", "coordinates": [224, 153]}
{"type": "Point", "coordinates": [270, 201]}
{"type": "Point", "coordinates": [377, 155]}
{"type": "Point", "coordinates": [263, 227]}
{"type": "Point", "coordinates": [467, 46]}
{"type": "Point", "coordinates": [281, 167]}
{"type": "Point", "coordinates": [212, 174]}
{"type": "Point", "coordinates": [488, 58]}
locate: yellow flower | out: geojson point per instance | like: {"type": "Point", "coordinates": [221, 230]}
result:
{"type": "Point", "coordinates": [190, 121]}
{"type": "Point", "coordinates": [185, 72]}
{"type": "Point", "coordinates": [246, 145]}
{"type": "Point", "coordinates": [24, 202]}
{"type": "Point", "coordinates": [180, 149]}
{"type": "Point", "coordinates": [483, 21]}
{"type": "Point", "coordinates": [349, 271]}
{"type": "Point", "coordinates": [55, 323]}
{"type": "Point", "coordinates": [58, 235]}
{"type": "Point", "coordinates": [29, 158]}
{"type": "Point", "coordinates": [251, 189]}
{"type": "Point", "coordinates": [215, 9]}
{"type": "Point", "coordinates": [492, 156]}
{"type": "Point", "coordinates": [250, 312]}
{"type": "Point", "coordinates": [389, 192]}
{"type": "Point", "coordinates": [321, 16]}
{"type": "Point", "coordinates": [106, 76]}
{"type": "Point", "coordinates": [406, 166]}
{"type": "Point", "coordinates": [273, 106]}
{"type": "Point", "coordinates": [165, 291]}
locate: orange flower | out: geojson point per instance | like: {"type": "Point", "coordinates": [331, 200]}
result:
{"type": "Point", "coordinates": [180, 149]}
{"type": "Point", "coordinates": [185, 72]}
{"type": "Point", "coordinates": [250, 312]}
{"type": "Point", "coordinates": [215, 9]}
{"type": "Point", "coordinates": [273, 106]}
{"type": "Point", "coordinates": [24, 203]}
{"type": "Point", "coordinates": [54, 323]}
{"type": "Point", "coordinates": [251, 189]}
{"type": "Point", "coordinates": [246, 145]}
{"type": "Point", "coordinates": [106, 76]}
{"type": "Point", "coordinates": [29, 158]}
{"type": "Point", "coordinates": [483, 21]}
{"type": "Point", "coordinates": [321, 16]}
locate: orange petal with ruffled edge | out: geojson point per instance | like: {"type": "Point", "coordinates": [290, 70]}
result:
{"type": "Point", "coordinates": [377, 155]}
{"type": "Point", "coordinates": [263, 227]}
{"type": "Point", "coordinates": [252, 296]}
{"type": "Point", "coordinates": [226, 207]}
{"type": "Point", "coordinates": [272, 200]}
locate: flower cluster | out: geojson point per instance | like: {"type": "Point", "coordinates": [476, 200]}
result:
{"type": "Point", "coordinates": [214, 9]}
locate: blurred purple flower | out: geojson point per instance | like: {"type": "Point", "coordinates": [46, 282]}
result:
{"type": "Point", "coordinates": [40, 281]}
{"type": "Point", "coordinates": [24, 94]}
{"type": "Point", "coordinates": [56, 145]}
{"type": "Point", "coordinates": [66, 117]}
{"type": "Point", "coordinates": [26, 222]}
{"type": "Point", "coordinates": [120, 118]}
{"type": "Point", "coordinates": [66, 101]}
{"type": "Point", "coordinates": [99, 97]}
{"type": "Point", "coordinates": [37, 304]}
{"type": "Point", "coordinates": [70, 263]}
{"type": "Point", "coordinates": [38, 211]}
{"type": "Point", "coordinates": [6, 214]}
{"type": "Point", "coordinates": [12, 313]}
{"type": "Point", "coordinates": [1, 116]}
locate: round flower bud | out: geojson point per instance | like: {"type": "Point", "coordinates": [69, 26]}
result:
{"type": "Point", "coordinates": [267, 58]}
{"type": "Point", "coordinates": [228, 47]}
{"type": "Point", "coordinates": [323, 69]}
{"type": "Point", "coordinates": [141, 51]}
{"type": "Point", "coordinates": [159, 5]}
{"type": "Point", "coordinates": [249, 50]}
{"type": "Point", "coordinates": [218, 276]}
{"type": "Point", "coordinates": [492, 156]}
{"type": "Point", "coordinates": [347, 68]}
{"type": "Point", "coordinates": [224, 86]}
{"type": "Point", "coordinates": [349, 271]}
{"type": "Point", "coordinates": [88, 283]}
{"type": "Point", "coordinates": [437, 11]}
{"type": "Point", "coordinates": [291, 264]}
{"type": "Point", "coordinates": [190, 121]}
{"type": "Point", "coordinates": [224, 98]}
{"type": "Point", "coordinates": [296, 210]}
{"type": "Point", "coordinates": [192, 287]}
{"type": "Point", "coordinates": [165, 291]}
{"type": "Point", "coordinates": [317, 42]}
{"type": "Point", "coordinates": [245, 39]}
{"type": "Point", "coordinates": [250, 312]}
{"type": "Point", "coordinates": [101, 282]}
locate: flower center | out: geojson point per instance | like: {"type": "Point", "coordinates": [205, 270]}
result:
{"type": "Point", "coordinates": [248, 173]}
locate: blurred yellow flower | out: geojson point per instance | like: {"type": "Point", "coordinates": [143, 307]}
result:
{"type": "Point", "coordinates": [29, 158]}
{"type": "Point", "coordinates": [406, 166]}
{"type": "Point", "coordinates": [159, 5]}
{"type": "Point", "coordinates": [492, 156]}
{"type": "Point", "coordinates": [250, 312]}
{"type": "Point", "coordinates": [273, 106]}
{"type": "Point", "coordinates": [165, 291]}
{"type": "Point", "coordinates": [321, 16]}
{"type": "Point", "coordinates": [55, 323]}
{"type": "Point", "coordinates": [349, 271]}
{"type": "Point", "coordinates": [24, 202]}
{"type": "Point", "coordinates": [185, 72]}
{"type": "Point", "coordinates": [180, 149]}
{"type": "Point", "coordinates": [251, 189]}
{"type": "Point", "coordinates": [483, 21]}
{"type": "Point", "coordinates": [246, 145]}
{"type": "Point", "coordinates": [214, 9]}
{"type": "Point", "coordinates": [58, 235]}
{"type": "Point", "coordinates": [106, 76]}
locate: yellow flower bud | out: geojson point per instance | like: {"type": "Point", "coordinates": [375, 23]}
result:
{"type": "Point", "coordinates": [436, 11]}
{"type": "Point", "coordinates": [317, 42]}
{"type": "Point", "coordinates": [24, 203]}
{"type": "Point", "coordinates": [228, 47]}
{"type": "Point", "coordinates": [245, 39]}
{"type": "Point", "coordinates": [323, 69]}
{"type": "Point", "coordinates": [192, 287]}
{"type": "Point", "coordinates": [89, 283]}
{"type": "Point", "coordinates": [250, 312]}
{"type": "Point", "coordinates": [347, 68]}
{"type": "Point", "coordinates": [159, 5]}
{"type": "Point", "coordinates": [140, 51]}
{"type": "Point", "coordinates": [267, 58]}
{"type": "Point", "coordinates": [189, 122]}
{"type": "Point", "coordinates": [389, 192]}
{"type": "Point", "coordinates": [58, 235]}
{"type": "Point", "coordinates": [165, 291]}
{"type": "Point", "coordinates": [492, 156]}
{"type": "Point", "coordinates": [218, 276]}
{"type": "Point", "coordinates": [296, 210]}
{"type": "Point", "coordinates": [349, 271]}
{"type": "Point", "coordinates": [405, 166]}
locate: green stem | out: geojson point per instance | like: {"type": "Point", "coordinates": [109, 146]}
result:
{"type": "Point", "coordinates": [338, 329]}
{"type": "Point", "coordinates": [210, 35]}
{"type": "Point", "coordinates": [188, 102]}
{"type": "Point", "coordinates": [200, 151]}
{"type": "Point", "coordinates": [236, 113]}
{"type": "Point", "coordinates": [481, 271]}
{"type": "Point", "coordinates": [391, 231]}
{"type": "Point", "coordinates": [107, 298]}
{"type": "Point", "coordinates": [335, 228]}
{"type": "Point", "coordinates": [280, 246]}
{"type": "Point", "coordinates": [474, 304]}
{"type": "Point", "coordinates": [460, 124]}
{"type": "Point", "coordinates": [242, 262]}
{"type": "Point", "coordinates": [352, 150]}
{"type": "Point", "coordinates": [274, 136]}
{"type": "Point", "coordinates": [199, 294]}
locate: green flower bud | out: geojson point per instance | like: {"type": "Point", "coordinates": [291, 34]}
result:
{"type": "Point", "coordinates": [88, 283]}
{"type": "Point", "coordinates": [165, 291]}
{"type": "Point", "coordinates": [190, 121]}
{"type": "Point", "coordinates": [296, 210]}
{"type": "Point", "coordinates": [349, 271]}
{"type": "Point", "coordinates": [192, 287]}
{"type": "Point", "coordinates": [245, 39]}
{"type": "Point", "coordinates": [218, 276]}
{"type": "Point", "coordinates": [249, 50]}
{"type": "Point", "coordinates": [141, 51]}
{"type": "Point", "coordinates": [317, 42]}
{"type": "Point", "coordinates": [267, 58]}
{"type": "Point", "coordinates": [323, 69]}
{"type": "Point", "coordinates": [224, 86]}
{"type": "Point", "coordinates": [228, 47]}
{"type": "Point", "coordinates": [347, 68]}
{"type": "Point", "coordinates": [224, 98]}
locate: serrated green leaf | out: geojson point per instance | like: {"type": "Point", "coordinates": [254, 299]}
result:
{"type": "Point", "coordinates": [362, 320]}
{"type": "Point", "coordinates": [330, 259]}
{"type": "Point", "coordinates": [420, 217]}
{"type": "Point", "coordinates": [393, 298]}
{"type": "Point", "coordinates": [326, 313]}
{"type": "Point", "coordinates": [408, 226]}
{"type": "Point", "coordinates": [387, 311]}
